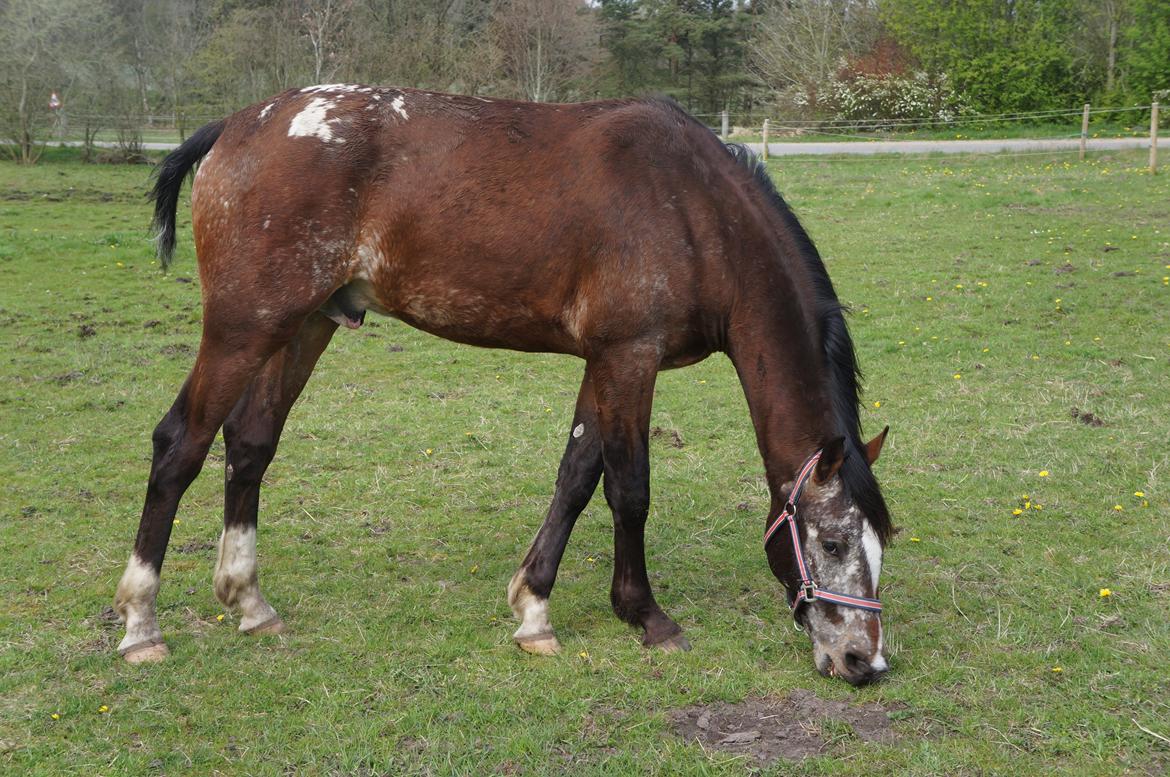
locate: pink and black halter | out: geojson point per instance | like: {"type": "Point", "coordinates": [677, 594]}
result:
{"type": "Point", "coordinates": [809, 591]}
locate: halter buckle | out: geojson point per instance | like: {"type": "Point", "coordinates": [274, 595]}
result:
{"type": "Point", "coordinates": [808, 590]}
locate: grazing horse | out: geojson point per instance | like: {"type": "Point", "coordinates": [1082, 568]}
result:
{"type": "Point", "coordinates": [622, 232]}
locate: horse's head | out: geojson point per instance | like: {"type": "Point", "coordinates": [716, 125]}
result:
{"type": "Point", "coordinates": [829, 558]}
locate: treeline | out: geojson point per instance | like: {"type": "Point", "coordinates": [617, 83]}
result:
{"type": "Point", "coordinates": [121, 64]}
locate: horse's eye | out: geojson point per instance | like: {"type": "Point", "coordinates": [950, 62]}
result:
{"type": "Point", "coordinates": [831, 547]}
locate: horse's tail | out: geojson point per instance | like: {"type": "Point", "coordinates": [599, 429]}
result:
{"type": "Point", "coordinates": [168, 179]}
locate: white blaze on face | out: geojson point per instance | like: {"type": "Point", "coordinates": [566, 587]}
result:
{"type": "Point", "coordinates": [311, 121]}
{"type": "Point", "coordinates": [134, 603]}
{"type": "Point", "coordinates": [236, 580]}
{"type": "Point", "coordinates": [873, 552]}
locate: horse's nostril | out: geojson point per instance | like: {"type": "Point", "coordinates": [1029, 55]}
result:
{"type": "Point", "coordinates": [857, 665]}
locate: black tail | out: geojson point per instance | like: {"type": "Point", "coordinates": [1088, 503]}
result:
{"type": "Point", "coordinates": [168, 179]}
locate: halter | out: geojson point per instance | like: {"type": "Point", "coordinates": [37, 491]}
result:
{"type": "Point", "coordinates": [809, 591]}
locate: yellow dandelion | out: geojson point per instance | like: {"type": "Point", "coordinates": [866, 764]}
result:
{"type": "Point", "coordinates": [1017, 511]}
{"type": "Point", "coordinates": [1043, 473]}
{"type": "Point", "coordinates": [929, 299]}
{"type": "Point", "coordinates": [55, 716]}
{"type": "Point", "coordinates": [428, 451]}
{"type": "Point", "coordinates": [119, 264]}
{"type": "Point", "coordinates": [219, 617]}
{"type": "Point", "coordinates": [1057, 669]}
{"type": "Point", "coordinates": [1118, 508]}
{"type": "Point", "coordinates": [1105, 593]}
{"type": "Point", "coordinates": [584, 654]}
{"type": "Point", "coordinates": [958, 376]}
{"type": "Point", "coordinates": [958, 285]}
{"type": "Point", "coordinates": [1037, 507]}
{"type": "Point", "coordinates": [879, 404]}
{"type": "Point", "coordinates": [901, 342]}
{"type": "Point", "coordinates": [178, 521]}
{"type": "Point", "coordinates": [702, 382]}
{"type": "Point", "coordinates": [474, 568]}
{"type": "Point", "coordinates": [915, 539]}
{"type": "Point", "coordinates": [1027, 505]}
{"type": "Point", "coordinates": [103, 709]}
{"type": "Point", "coordinates": [1139, 494]}
{"type": "Point", "coordinates": [985, 350]}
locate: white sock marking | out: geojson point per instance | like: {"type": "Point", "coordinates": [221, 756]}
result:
{"type": "Point", "coordinates": [134, 602]}
{"type": "Point", "coordinates": [236, 582]}
{"type": "Point", "coordinates": [578, 430]}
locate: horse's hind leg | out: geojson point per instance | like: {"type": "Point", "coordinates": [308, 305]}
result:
{"type": "Point", "coordinates": [222, 370]}
{"type": "Point", "coordinates": [577, 478]}
{"type": "Point", "coordinates": [251, 434]}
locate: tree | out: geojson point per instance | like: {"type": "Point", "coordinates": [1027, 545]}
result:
{"type": "Point", "coordinates": [35, 38]}
{"type": "Point", "coordinates": [798, 46]}
{"type": "Point", "coordinates": [547, 47]}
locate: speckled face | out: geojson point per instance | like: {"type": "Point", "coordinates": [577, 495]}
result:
{"type": "Point", "coordinates": [844, 555]}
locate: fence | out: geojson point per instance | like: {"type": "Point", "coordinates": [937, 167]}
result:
{"type": "Point", "coordinates": [898, 130]}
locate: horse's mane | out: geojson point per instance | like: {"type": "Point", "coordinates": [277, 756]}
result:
{"type": "Point", "coordinates": [837, 348]}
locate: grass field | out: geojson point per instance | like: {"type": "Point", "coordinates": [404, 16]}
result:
{"type": "Point", "coordinates": [990, 298]}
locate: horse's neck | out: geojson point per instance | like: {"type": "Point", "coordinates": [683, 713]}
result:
{"type": "Point", "coordinates": [786, 390]}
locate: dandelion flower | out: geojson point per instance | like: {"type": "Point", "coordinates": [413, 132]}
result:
{"type": "Point", "coordinates": [1118, 508]}
{"type": "Point", "coordinates": [879, 404]}
{"type": "Point", "coordinates": [958, 376]}
{"type": "Point", "coordinates": [1105, 593]}
{"type": "Point", "coordinates": [1057, 669]}
{"type": "Point", "coordinates": [1139, 494]}
{"type": "Point", "coordinates": [1043, 473]}
{"type": "Point", "coordinates": [55, 716]}
{"type": "Point", "coordinates": [428, 451]}
{"type": "Point", "coordinates": [1017, 511]}
{"type": "Point", "coordinates": [915, 539]}
{"type": "Point", "coordinates": [219, 617]}
{"type": "Point", "coordinates": [103, 709]}
{"type": "Point", "coordinates": [474, 568]}
{"type": "Point", "coordinates": [584, 654]}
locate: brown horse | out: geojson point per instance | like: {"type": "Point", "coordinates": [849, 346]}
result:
{"type": "Point", "coordinates": [621, 232]}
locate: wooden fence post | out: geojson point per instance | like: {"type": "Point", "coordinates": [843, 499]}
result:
{"type": "Point", "coordinates": [1154, 138]}
{"type": "Point", "coordinates": [725, 133]}
{"type": "Point", "coordinates": [765, 140]}
{"type": "Point", "coordinates": [1084, 130]}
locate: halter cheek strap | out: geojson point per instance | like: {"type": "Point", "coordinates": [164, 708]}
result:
{"type": "Point", "coordinates": [809, 591]}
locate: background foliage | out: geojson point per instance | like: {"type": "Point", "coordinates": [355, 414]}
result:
{"type": "Point", "coordinates": [123, 64]}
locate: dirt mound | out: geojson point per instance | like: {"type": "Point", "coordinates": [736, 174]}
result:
{"type": "Point", "coordinates": [768, 729]}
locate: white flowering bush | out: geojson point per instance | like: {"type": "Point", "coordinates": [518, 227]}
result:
{"type": "Point", "coordinates": [853, 96]}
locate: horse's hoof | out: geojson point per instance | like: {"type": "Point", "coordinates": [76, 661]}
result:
{"type": "Point", "coordinates": [146, 653]}
{"type": "Point", "coordinates": [267, 628]}
{"type": "Point", "coordinates": [674, 644]}
{"type": "Point", "coordinates": [540, 644]}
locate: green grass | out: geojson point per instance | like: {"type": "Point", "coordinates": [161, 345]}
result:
{"type": "Point", "coordinates": [389, 564]}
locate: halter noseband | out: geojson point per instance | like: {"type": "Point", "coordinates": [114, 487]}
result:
{"type": "Point", "coordinates": [809, 591]}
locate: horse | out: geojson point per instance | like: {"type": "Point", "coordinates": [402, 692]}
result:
{"type": "Point", "coordinates": [621, 232]}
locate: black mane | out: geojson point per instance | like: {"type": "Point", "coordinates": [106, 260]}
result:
{"type": "Point", "coordinates": [840, 358]}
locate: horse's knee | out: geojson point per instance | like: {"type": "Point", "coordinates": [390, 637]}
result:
{"type": "Point", "coordinates": [176, 463]}
{"type": "Point", "coordinates": [249, 451]}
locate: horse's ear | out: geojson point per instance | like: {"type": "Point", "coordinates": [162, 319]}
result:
{"type": "Point", "coordinates": [873, 448]}
{"type": "Point", "coordinates": [832, 456]}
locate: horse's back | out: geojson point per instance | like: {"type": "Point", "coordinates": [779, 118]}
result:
{"type": "Point", "coordinates": [523, 225]}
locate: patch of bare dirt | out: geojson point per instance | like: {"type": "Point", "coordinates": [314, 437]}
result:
{"type": "Point", "coordinates": [1085, 417]}
{"type": "Point", "coordinates": [769, 729]}
{"type": "Point", "coordinates": [670, 436]}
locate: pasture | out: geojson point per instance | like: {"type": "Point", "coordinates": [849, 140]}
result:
{"type": "Point", "coordinates": [1012, 317]}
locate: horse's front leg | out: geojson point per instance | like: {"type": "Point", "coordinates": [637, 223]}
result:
{"type": "Point", "coordinates": [577, 478]}
{"type": "Point", "coordinates": [624, 390]}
